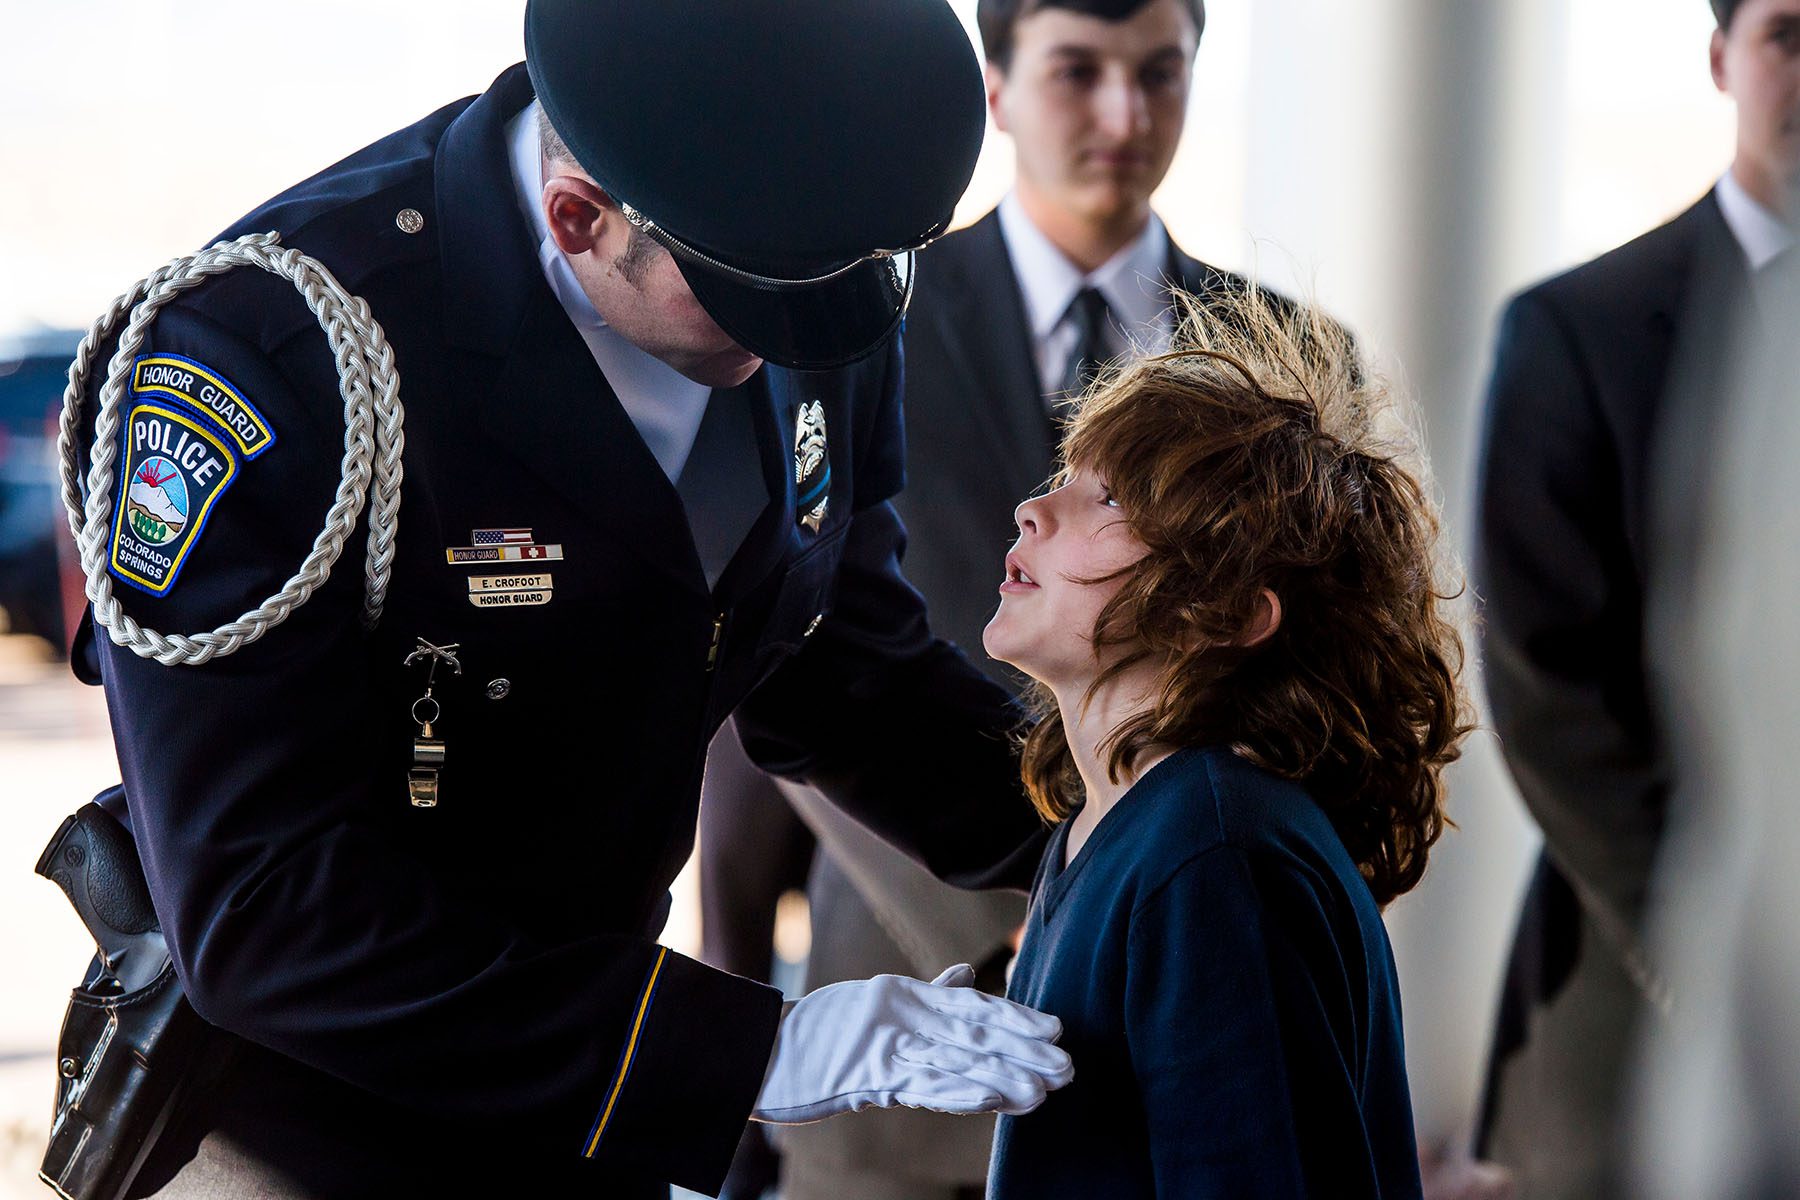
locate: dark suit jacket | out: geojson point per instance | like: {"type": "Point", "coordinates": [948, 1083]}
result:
{"type": "Point", "coordinates": [438, 999]}
{"type": "Point", "coordinates": [1582, 374]}
{"type": "Point", "coordinates": [979, 436]}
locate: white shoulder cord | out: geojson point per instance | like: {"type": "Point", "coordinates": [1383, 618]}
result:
{"type": "Point", "coordinates": [372, 433]}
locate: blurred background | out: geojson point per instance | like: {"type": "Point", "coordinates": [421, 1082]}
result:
{"type": "Point", "coordinates": [1408, 163]}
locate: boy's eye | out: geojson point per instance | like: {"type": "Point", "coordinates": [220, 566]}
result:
{"type": "Point", "coordinates": [1107, 498]}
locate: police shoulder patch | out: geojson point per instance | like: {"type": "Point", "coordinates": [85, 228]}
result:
{"type": "Point", "coordinates": [176, 466]}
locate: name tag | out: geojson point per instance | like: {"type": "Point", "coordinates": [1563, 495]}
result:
{"type": "Point", "coordinates": [509, 583]}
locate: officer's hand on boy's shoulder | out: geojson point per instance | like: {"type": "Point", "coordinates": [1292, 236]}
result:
{"type": "Point", "coordinates": [892, 1040]}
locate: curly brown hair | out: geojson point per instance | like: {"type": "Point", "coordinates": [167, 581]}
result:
{"type": "Point", "coordinates": [1256, 454]}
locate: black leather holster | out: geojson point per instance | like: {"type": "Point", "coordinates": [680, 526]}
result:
{"type": "Point", "coordinates": [130, 1035]}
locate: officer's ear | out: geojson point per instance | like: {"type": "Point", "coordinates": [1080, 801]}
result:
{"type": "Point", "coordinates": [578, 211]}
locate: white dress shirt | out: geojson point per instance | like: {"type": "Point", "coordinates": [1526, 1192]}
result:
{"type": "Point", "coordinates": [1132, 281]}
{"type": "Point", "coordinates": [665, 405]}
{"type": "Point", "coordinates": [1760, 233]}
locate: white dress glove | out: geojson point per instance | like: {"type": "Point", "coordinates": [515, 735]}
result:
{"type": "Point", "coordinates": [891, 1040]}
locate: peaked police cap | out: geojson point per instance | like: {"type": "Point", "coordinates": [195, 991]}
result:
{"type": "Point", "coordinates": [789, 153]}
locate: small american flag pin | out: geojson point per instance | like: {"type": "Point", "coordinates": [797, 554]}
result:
{"type": "Point", "coordinates": [500, 537]}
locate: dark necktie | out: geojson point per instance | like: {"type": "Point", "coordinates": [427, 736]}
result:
{"type": "Point", "coordinates": [1092, 348]}
{"type": "Point", "coordinates": [721, 486]}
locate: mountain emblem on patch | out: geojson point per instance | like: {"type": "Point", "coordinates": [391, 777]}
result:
{"type": "Point", "coordinates": [156, 503]}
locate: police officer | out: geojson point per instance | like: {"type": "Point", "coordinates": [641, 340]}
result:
{"type": "Point", "coordinates": [643, 297]}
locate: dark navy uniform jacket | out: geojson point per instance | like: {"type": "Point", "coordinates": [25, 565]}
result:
{"type": "Point", "coordinates": [1229, 998]}
{"type": "Point", "coordinates": [425, 997]}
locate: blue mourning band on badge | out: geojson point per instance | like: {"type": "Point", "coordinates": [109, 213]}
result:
{"type": "Point", "coordinates": [816, 490]}
{"type": "Point", "coordinates": [175, 468]}
{"type": "Point", "coordinates": [208, 393]}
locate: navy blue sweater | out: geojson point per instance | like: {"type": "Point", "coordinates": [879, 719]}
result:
{"type": "Point", "coordinates": [1228, 995]}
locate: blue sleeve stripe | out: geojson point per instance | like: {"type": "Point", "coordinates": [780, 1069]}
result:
{"type": "Point", "coordinates": [626, 1055]}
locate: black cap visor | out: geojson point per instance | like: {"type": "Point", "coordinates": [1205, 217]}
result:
{"type": "Point", "coordinates": [805, 326]}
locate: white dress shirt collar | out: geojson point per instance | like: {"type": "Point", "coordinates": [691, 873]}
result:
{"type": "Point", "coordinates": [1760, 233]}
{"type": "Point", "coordinates": [1131, 280]}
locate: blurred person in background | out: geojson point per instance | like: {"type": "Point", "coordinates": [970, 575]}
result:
{"type": "Point", "coordinates": [1718, 1104]}
{"type": "Point", "coordinates": [1718, 1090]}
{"type": "Point", "coordinates": [1584, 370]}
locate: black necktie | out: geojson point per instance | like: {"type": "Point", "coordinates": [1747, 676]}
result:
{"type": "Point", "coordinates": [721, 486]}
{"type": "Point", "coordinates": [1094, 345]}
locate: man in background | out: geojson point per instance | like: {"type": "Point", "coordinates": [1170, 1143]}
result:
{"type": "Point", "coordinates": [1015, 312]}
{"type": "Point", "coordinates": [1584, 369]}
{"type": "Point", "coordinates": [1717, 1115]}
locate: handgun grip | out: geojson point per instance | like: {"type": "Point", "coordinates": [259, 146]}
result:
{"type": "Point", "coordinates": [94, 861]}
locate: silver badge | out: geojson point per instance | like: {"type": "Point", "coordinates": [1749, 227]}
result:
{"type": "Point", "coordinates": [812, 466]}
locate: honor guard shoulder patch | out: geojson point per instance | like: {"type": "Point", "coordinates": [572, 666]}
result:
{"type": "Point", "coordinates": [176, 467]}
{"type": "Point", "coordinates": [207, 392]}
